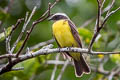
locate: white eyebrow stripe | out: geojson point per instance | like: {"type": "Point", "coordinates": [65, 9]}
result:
{"type": "Point", "coordinates": [61, 14]}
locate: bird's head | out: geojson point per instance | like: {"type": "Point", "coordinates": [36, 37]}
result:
{"type": "Point", "coordinates": [58, 16]}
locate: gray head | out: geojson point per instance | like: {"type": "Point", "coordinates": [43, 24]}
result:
{"type": "Point", "coordinates": [58, 16]}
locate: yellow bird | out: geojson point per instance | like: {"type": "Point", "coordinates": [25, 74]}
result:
{"type": "Point", "coordinates": [66, 35]}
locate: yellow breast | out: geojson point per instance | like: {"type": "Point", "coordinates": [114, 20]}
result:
{"type": "Point", "coordinates": [63, 34]}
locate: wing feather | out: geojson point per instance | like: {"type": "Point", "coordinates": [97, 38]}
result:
{"type": "Point", "coordinates": [75, 33]}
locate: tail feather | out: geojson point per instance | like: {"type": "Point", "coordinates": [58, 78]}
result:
{"type": "Point", "coordinates": [81, 67]}
{"type": "Point", "coordinates": [84, 64]}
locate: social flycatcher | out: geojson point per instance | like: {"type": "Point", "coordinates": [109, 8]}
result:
{"type": "Point", "coordinates": [66, 35]}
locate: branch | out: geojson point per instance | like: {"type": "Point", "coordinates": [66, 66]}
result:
{"type": "Point", "coordinates": [110, 7]}
{"type": "Point", "coordinates": [56, 1]}
{"type": "Point", "coordinates": [8, 66]}
{"type": "Point", "coordinates": [63, 69]}
{"type": "Point", "coordinates": [55, 62]}
{"type": "Point", "coordinates": [46, 51]}
{"type": "Point", "coordinates": [7, 56]}
{"type": "Point", "coordinates": [55, 67]}
{"type": "Point", "coordinates": [17, 58]}
{"type": "Point", "coordinates": [103, 4]}
{"type": "Point", "coordinates": [7, 45]}
{"type": "Point", "coordinates": [100, 71]}
{"type": "Point", "coordinates": [17, 69]}
{"type": "Point", "coordinates": [107, 16]}
{"type": "Point", "coordinates": [99, 27]}
{"type": "Point", "coordinates": [24, 28]}
{"type": "Point", "coordinates": [107, 9]}
{"type": "Point", "coordinates": [16, 25]}
{"type": "Point", "coordinates": [113, 73]}
{"type": "Point", "coordinates": [42, 44]}
{"type": "Point", "coordinates": [87, 22]}
{"type": "Point", "coordinates": [68, 49]}
{"type": "Point", "coordinates": [33, 25]}
{"type": "Point", "coordinates": [101, 66]}
{"type": "Point", "coordinates": [8, 39]}
{"type": "Point", "coordinates": [99, 14]}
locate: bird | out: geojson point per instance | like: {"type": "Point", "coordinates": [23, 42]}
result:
{"type": "Point", "coordinates": [66, 35]}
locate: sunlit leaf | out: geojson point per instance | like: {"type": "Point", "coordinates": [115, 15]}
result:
{"type": "Point", "coordinates": [2, 35]}
{"type": "Point", "coordinates": [19, 44]}
{"type": "Point", "coordinates": [30, 67]}
{"type": "Point", "coordinates": [85, 34]}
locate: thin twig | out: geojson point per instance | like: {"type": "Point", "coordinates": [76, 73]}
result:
{"type": "Point", "coordinates": [31, 29]}
{"type": "Point", "coordinates": [7, 45]}
{"type": "Point", "coordinates": [48, 9]}
{"type": "Point", "coordinates": [6, 40]}
{"type": "Point", "coordinates": [7, 56]}
{"type": "Point", "coordinates": [8, 66]}
{"type": "Point", "coordinates": [87, 22]}
{"type": "Point", "coordinates": [62, 70]}
{"type": "Point", "coordinates": [99, 14]}
{"type": "Point", "coordinates": [27, 20]}
{"type": "Point", "coordinates": [99, 71]}
{"type": "Point", "coordinates": [110, 7]}
{"type": "Point", "coordinates": [55, 67]}
{"type": "Point", "coordinates": [101, 65]}
{"type": "Point", "coordinates": [97, 25]}
{"type": "Point", "coordinates": [100, 27]}
{"type": "Point", "coordinates": [56, 62]}
{"type": "Point", "coordinates": [17, 69]}
{"type": "Point", "coordinates": [42, 44]}
{"type": "Point", "coordinates": [107, 16]}
{"type": "Point", "coordinates": [103, 3]}
{"type": "Point", "coordinates": [16, 25]}
{"type": "Point", "coordinates": [113, 73]}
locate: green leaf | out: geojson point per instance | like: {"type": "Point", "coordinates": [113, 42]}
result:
{"type": "Point", "coordinates": [12, 75]}
{"type": "Point", "coordinates": [18, 46]}
{"type": "Point", "coordinates": [115, 58]}
{"type": "Point", "coordinates": [30, 67]}
{"type": "Point", "coordinates": [2, 35]}
{"type": "Point", "coordinates": [85, 34]}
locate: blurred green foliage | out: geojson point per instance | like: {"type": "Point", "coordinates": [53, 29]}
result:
{"type": "Point", "coordinates": [79, 11]}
